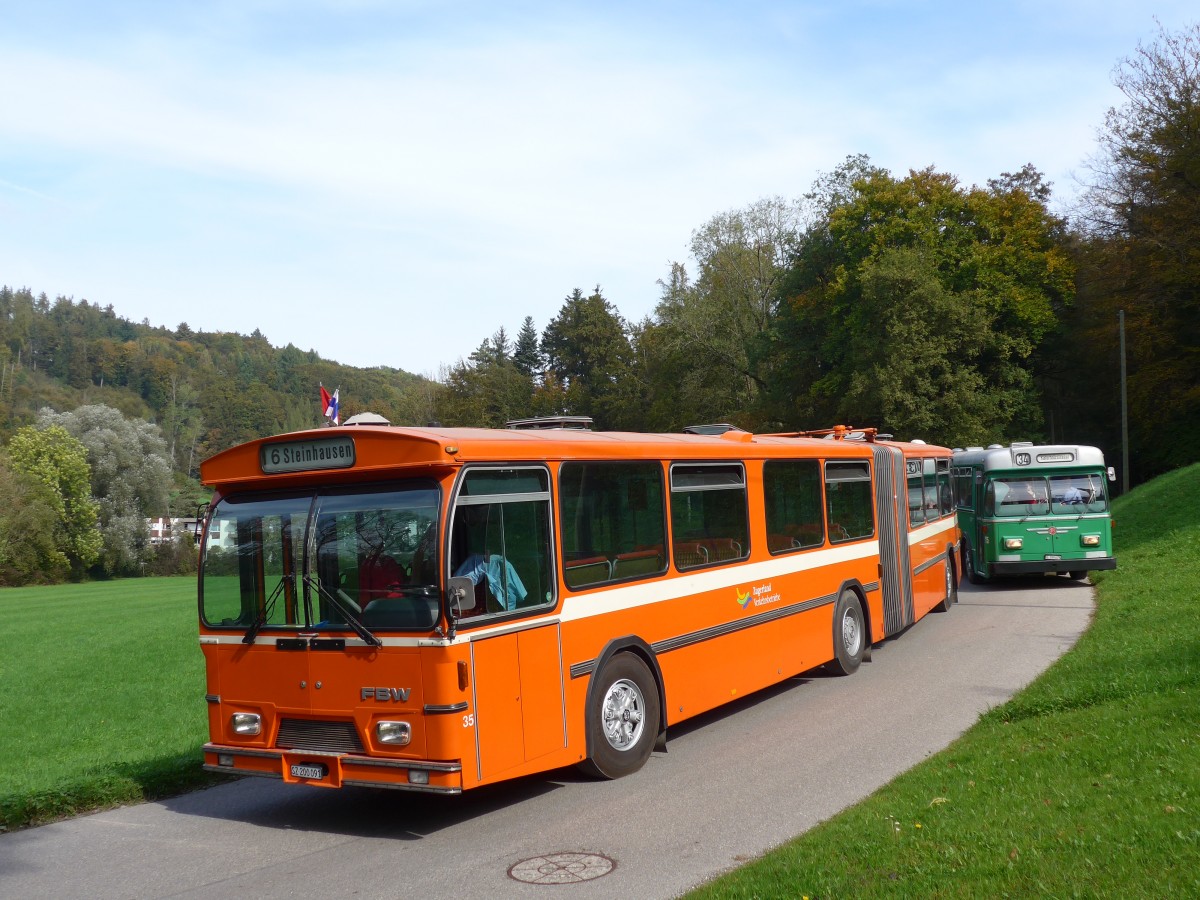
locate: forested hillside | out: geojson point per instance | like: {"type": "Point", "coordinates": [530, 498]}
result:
{"type": "Point", "coordinates": [206, 391]}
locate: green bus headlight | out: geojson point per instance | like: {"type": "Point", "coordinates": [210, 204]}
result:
{"type": "Point", "coordinates": [1013, 543]}
{"type": "Point", "coordinates": [1090, 540]}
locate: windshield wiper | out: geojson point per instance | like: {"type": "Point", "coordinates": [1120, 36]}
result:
{"type": "Point", "coordinates": [265, 613]}
{"type": "Point", "coordinates": [345, 606]}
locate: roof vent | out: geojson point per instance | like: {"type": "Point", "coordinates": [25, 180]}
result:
{"type": "Point", "coordinates": [574, 423]}
{"type": "Point", "coordinates": [367, 418]}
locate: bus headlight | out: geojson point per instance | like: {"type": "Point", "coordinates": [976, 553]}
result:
{"type": "Point", "coordinates": [246, 723]}
{"type": "Point", "coordinates": [396, 733]}
{"type": "Point", "coordinates": [1013, 543]}
{"type": "Point", "coordinates": [1090, 540]}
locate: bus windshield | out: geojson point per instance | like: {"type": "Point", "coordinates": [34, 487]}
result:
{"type": "Point", "coordinates": [1078, 493]}
{"type": "Point", "coordinates": [359, 558]}
{"type": "Point", "coordinates": [1018, 497]}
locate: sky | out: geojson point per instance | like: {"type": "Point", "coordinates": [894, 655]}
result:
{"type": "Point", "coordinates": [389, 183]}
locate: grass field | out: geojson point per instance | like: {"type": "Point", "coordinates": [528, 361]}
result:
{"type": "Point", "coordinates": [1086, 784]}
{"type": "Point", "coordinates": [101, 696]}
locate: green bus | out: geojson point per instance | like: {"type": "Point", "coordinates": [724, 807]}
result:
{"type": "Point", "coordinates": [1028, 509]}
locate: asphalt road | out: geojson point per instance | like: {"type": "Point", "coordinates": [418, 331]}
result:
{"type": "Point", "coordinates": [731, 785]}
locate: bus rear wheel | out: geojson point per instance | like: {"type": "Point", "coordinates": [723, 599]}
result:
{"type": "Point", "coordinates": [849, 634]}
{"type": "Point", "coordinates": [951, 588]}
{"type": "Point", "coordinates": [622, 718]}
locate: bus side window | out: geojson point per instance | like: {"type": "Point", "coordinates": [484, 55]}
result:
{"type": "Point", "coordinates": [709, 521]}
{"type": "Point", "coordinates": [613, 522]}
{"type": "Point", "coordinates": [848, 501]}
{"type": "Point", "coordinates": [500, 538]}
{"type": "Point", "coordinates": [792, 496]}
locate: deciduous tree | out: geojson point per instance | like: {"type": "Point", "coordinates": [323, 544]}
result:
{"type": "Point", "coordinates": [55, 465]}
{"type": "Point", "coordinates": [130, 476]}
{"type": "Point", "coordinates": [917, 305]}
{"type": "Point", "coordinates": [1142, 217]}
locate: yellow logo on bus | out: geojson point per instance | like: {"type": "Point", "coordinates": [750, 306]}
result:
{"type": "Point", "coordinates": [757, 595]}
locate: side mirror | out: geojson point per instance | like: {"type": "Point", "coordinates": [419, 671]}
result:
{"type": "Point", "coordinates": [1112, 474]}
{"type": "Point", "coordinates": [458, 589]}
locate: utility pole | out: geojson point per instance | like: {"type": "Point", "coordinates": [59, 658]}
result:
{"type": "Point", "coordinates": [1124, 411]}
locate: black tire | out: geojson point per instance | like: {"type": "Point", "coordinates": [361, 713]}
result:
{"type": "Point", "coordinates": [849, 635]}
{"type": "Point", "coordinates": [951, 587]}
{"type": "Point", "coordinates": [1078, 576]}
{"type": "Point", "coordinates": [974, 576]}
{"type": "Point", "coordinates": [622, 718]}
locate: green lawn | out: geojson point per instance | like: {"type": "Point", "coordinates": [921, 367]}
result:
{"type": "Point", "coordinates": [1086, 784]}
{"type": "Point", "coordinates": [101, 696]}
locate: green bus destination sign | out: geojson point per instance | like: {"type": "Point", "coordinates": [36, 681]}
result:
{"type": "Point", "coordinates": [304, 456]}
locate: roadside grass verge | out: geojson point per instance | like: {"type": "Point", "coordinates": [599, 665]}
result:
{"type": "Point", "coordinates": [101, 696]}
{"type": "Point", "coordinates": [1086, 784]}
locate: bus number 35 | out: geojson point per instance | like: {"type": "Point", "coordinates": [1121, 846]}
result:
{"type": "Point", "coordinates": [469, 721]}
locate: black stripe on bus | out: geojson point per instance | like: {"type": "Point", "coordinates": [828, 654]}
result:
{"type": "Point", "coordinates": [578, 670]}
{"type": "Point", "coordinates": [931, 562]}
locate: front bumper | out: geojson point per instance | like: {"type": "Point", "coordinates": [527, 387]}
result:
{"type": "Point", "coordinates": [1038, 566]}
{"type": "Point", "coordinates": [335, 769]}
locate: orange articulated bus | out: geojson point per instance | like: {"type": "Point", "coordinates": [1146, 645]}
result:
{"type": "Point", "coordinates": [438, 609]}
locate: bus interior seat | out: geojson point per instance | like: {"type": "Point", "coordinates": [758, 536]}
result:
{"type": "Point", "coordinates": [642, 561]}
{"type": "Point", "coordinates": [592, 570]}
{"type": "Point", "coordinates": [689, 554]}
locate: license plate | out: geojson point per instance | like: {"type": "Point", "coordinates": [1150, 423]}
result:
{"type": "Point", "coordinates": [308, 771]}
{"type": "Point", "coordinates": [1053, 556]}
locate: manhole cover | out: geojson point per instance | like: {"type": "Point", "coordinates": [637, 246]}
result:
{"type": "Point", "coordinates": [562, 868]}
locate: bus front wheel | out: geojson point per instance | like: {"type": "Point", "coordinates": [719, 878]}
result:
{"type": "Point", "coordinates": [623, 718]}
{"type": "Point", "coordinates": [973, 574]}
{"type": "Point", "coordinates": [1078, 576]}
{"type": "Point", "coordinates": [849, 634]}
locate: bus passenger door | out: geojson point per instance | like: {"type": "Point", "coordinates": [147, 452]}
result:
{"type": "Point", "coordinates": [519, 714]}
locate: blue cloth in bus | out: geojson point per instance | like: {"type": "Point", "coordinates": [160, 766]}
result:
{"type": "Point", "coordinates": [500, 573]}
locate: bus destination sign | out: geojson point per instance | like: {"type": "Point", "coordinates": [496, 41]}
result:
{"type": "Point", "coordinates": [1055, 457]}
{"type": "Point", "coordinates": [305, 456]}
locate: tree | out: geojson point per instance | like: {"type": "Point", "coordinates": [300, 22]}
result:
{"type": "Point", "coordinates": [488, 389]}
{"type": "Point", "coordinates": [918, 306]}
{"type": "Point", "coordinates": [55, 467]}
{"type": "Point", "coordinates": [717, 323]}
{"type": "Point", "coordinates": [1141, 219]}
{"type": "Point", "coordinates": [526, 355]}
{"type": "Point", "coordinates": [587, 351]}
{"type": "Point", "coordinates": [130, 474]}
{"type": "Point", "coordinates": [29, 553]}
